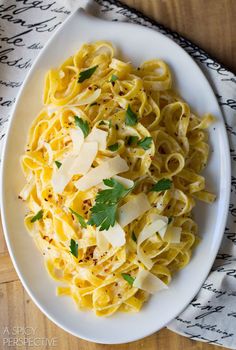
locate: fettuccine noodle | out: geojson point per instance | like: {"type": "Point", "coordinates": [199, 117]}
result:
{"type": "Point", "coordinates": [105, 119]}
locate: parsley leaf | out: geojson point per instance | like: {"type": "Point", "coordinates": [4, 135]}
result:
{"type": "Point", "coordinates": [113, 147]}
{"type": "Point", "coordinates": [128, 278]}
{"type": "Point", "coordinates": [83, 125]}
{"type": "Point", "coordinates": [103, 213]}
{"type": "Point", "coordinates": [162, 185]}
{"type": "Point", "coordinates": [74, 247]}
{"type": "Point", "coordinates": [132, 140]}
{"type": "Point", "coordinates": [130, 117]}
{"type": "Point", "coordinates": [58, 164]}
{"type": "Point", "coordinates": [111, 196]}
{"type": "Point", "coordinates": [134, 238]}
{"type": "Point", "coordinates": [145, 143]}
{"type": "Point", "coordinates": [37, 216]}
{"type": "Point", "coordinates": [79, 217]}
{"type": "Point", "coordinates": [86, 74]}
{"type": "Point", "coordinates": [113, 78]}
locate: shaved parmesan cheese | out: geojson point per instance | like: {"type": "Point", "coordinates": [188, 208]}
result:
{"type": "Point", "coordinates": [105, 170]}
{"type": "Point", "coordinates": [82, 163]}
{"type": "Point", "coordinates": [123, 181]}
{"type": "Point", "coordinates": [134, 208]}
{"type": "Point", "coordinates": [102, 243]}
{"type": "Point", "coordinates": [52, 109]}
{"type": "Point", "coordinates": [151, 229]}
{"type": "Point", "coordinates": [83, 273]}
{"type": "Point", "coordinates": [115, 235]}
{"type": "Point", "coordinates": [59, 181]}
{"type": "Point", "coordinates": [86, 97]}
{"type": "Point", "coordinates": [99, 136]}
{"type": "Point", "coordinates": [123, 103]}
{"type": "Point", "coordinates": [61, 177]}
{"type": "Point", "coordinates": [164, 220]}
{"type": "Point", "coordinates": [145, 280]}
{"type": "Point", "coordinates": [173, 234]}
{"type": "Point", "coordinates": [50, 152]}
{"type": "Point", "coordinates": [77, 138]}
{"type": "Point", "coordinates": [159, 224]}
{"type": "Point", "coordinates": [79, 162]}
{"type": "Point", "coordinates": [61, 74]}
{"type": "Point", "coordinates": [26, 190]}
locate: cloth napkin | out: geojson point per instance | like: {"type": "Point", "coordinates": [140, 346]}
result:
{"type": "Point", "coordinates": [25, 27]}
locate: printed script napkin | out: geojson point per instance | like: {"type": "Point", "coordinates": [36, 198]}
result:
{"type": "Point", "coordinates": [25, 27]}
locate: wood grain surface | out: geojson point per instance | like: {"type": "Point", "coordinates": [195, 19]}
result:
{"type": "Point", "coordinates": [211, 25]}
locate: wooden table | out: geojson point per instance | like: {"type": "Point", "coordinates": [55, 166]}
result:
{"type": "Point", "coordinates": [211, 25]}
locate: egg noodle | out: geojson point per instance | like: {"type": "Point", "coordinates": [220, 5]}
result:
{"type": "Point", "coordinates": [112, 167]}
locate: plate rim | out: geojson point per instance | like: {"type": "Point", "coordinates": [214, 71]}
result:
{"type": "Point", "coordinates": [224, 215]}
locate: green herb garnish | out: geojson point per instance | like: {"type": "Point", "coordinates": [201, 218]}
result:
{"type": "Point", "coordinates": [170, 219]}
{"type": "Point", "coordinates": [103, 213]}
{"type": "Point", "coordinates": [132, 140]}
{"type": "Point", "coordinates": [134, 238]}
{"type": "Point", "coordinates": [162, 185]}
{"type": "Point", "coordinates": [113, 147]}
{"type": "Point", "coordinates": [86, 74]}
{"type": "Point", "coordinates": [74, 247]}
{"type": "Point", "coordinates": [37, 216]}
{"type": "Point", "coordinates": [128, 278]}
{"type": "Point", "coordinates": [79, 217]}
{"type": "Point", "coordinates": [83, 125]}
{"type": "Point", "coordinates": [130, 117]}
{"type": "Point", "coordinates": [113, 78]}
{"type": "Point", "coordinates": [58, 164]}
{"type": "Point", "coordinates": [145, 143]}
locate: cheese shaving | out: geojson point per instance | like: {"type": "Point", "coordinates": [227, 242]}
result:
{"type": "Point", "coordinates": [158, 224]}
{"type": "Point", "coordinates": [86, 97]}
{"type": "Point", "coordinates": [77, 138]}
{"type": "Point", "coordinates": [105, 170]}
{"type": "Point", "coordinates": [173, 234]}
{"type": "Point", "coordinates": [99, 136]}
{"type": "Point", "coordinates": [151, 229]}
{"type": "Point", "coordinates": [134, 208]}
{"type": "Point", "coordinates": [83, 162]}
{"type": "Point", "coordinates": [61, 177]}
{"type": "Point", "coordinates": [49, 152]}
{"type": "Point", "coordinates": [145, 280]}
{"type": "Point", "coordinates": [122, 180]}
{"type": "Point", "coordinates": [115, 235]}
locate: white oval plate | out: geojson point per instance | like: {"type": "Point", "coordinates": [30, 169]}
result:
{"type": "Point", "coordinates": [136, 44]}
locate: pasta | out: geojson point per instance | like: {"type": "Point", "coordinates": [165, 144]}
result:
{"type": "Point", "coordinates": [112, 168]}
